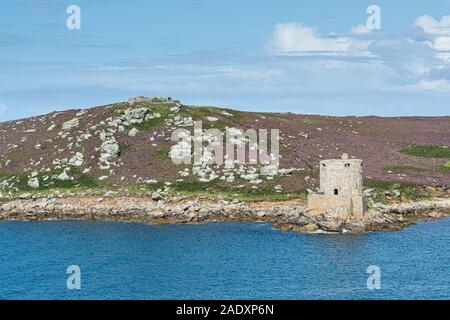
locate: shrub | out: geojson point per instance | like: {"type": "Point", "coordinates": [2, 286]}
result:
{"type": "Point", "coordinates": [446, 166]}
{"type": "Point", "coordinates": [428, 151]}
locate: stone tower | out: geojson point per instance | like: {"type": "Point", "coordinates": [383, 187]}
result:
{"type": "Point", "coordinates": [340, 187]}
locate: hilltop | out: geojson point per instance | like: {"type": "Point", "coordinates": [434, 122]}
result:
{"type": "Point", "coordinates": [125, 147]}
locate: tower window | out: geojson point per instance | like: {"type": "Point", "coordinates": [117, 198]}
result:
{"type": "Point", "coordinates": [347, 165]}
{"type": "Point", "coordinates": [336, 192]}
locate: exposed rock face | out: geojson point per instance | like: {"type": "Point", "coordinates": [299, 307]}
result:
{"type": "Point", "coordinates": [118, 144]}
{"type": "Point", "coordinates": [64, 176]}
{"type": "Point", "coordinates": [435, 214]}
{"type": "Point", "coordinates": [77, 159]}
{"type": "Point", "coordinates": [139, 99]}
{"type": "Point", "coordinates": [133, 132]}
{"type": "Point", "coordinates": [33, 182]}
{"type": "Point", "coordinates": [354, 226]}
{"type": "Point", "coordinates": [110, 149]}
{"type": "Point", "coordinates": [157, 196]}
{"type": "Point", "coordinates": [288, 215]}
{"type": "Point", "coordinates": [330, 225]}
{"type": "Point", "coordinates": [135, 115]}
{"type": "Point", "coordinates": [413, 207]}
{"type": "Point", "coordinates": [310, 227]}
{"type": "Point", "coordinates": [68, 125]}
{"type": "Point", "coordinates": [91, 140]}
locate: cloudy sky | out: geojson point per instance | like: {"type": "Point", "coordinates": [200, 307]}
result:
{"type": "Point", "coordinates": [314, 57]}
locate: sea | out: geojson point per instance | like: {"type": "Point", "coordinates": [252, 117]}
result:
{"type": "Point", "coordinates": [228, 260]}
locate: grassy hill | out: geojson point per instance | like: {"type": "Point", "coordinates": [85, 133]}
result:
{"type": "Point", "coordinates": [125, 146]}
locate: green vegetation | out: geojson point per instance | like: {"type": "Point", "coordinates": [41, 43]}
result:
{"type": "Point", "coordinates": [164, 152]}
{"type": "Point", "coordinates": [162, 109]}
{"type": "Point", "coordinates": [194, 186]}
{"type": "Point", "coordinates": [195, 112]}
{"type": "Point", "coordinates": [408, 190]}
{"type": "Point", "coordinates": [410, 169]}
{"type": "Point", "coordinates": [310, 122]}
{"type": "Point", "coordinates": [79, 180]}
{"type": "Point", "coordinates": [215, 189]}
{"type": "Point", "coordinates": [295, 118]}
{"type": "Point", "coordinates": [269, 194]}
{"type": "Point", "coordinates": [201, 113]}
{"type": "Point", "coordinates": [405, 169]}
{"type": "Point", "coordinates": [219, 189]}
{"type": "Point", "coordinates": [446, 166]}
{"type": "Point", "coordinates": [48, 181]}
{"type": "Point", "coordinates": [428, 151]}
{"type": "Point", "coordinates": [125, 147]}
{"type": "Point", "coordinates": [148, 124]}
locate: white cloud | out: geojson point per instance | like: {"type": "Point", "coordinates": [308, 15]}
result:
{"type": "Point", "coordinates": [439, 31]}
{"type": "Point", "coordinates": [360, 29]}
{"type": "Point", "coordinates": [250, 74]}
{"type": "Point", "coordinates": [434, 85]}
{"type": "Point", "coordinates": [296, 39]}
{"type": "Point", "coordinates": [112, 68]}
{"type": "Point", "coordinates": [409, 57]}
{"type": "Point", "coordinates": [432, 26]}
{"type": "Point", "coordinates": [442, 46]}
{"type": "Point", "coordinates": [440, 85]}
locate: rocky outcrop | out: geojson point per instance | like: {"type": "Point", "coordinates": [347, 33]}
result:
{"type": "Point", "coordinates": [415, 207]}
{"type": "Point", "coordinates": [109, 148]}
{"type": "Point", "coordinates": [157, 208]}
{"type": "Point", "coordinates": [140, 99]}
{"type": "Point", "coordinates": [77, 159]}
{"type": "Point", "coordinates": [33, 182]}
{"type": "Point", "coordinates": [151, 209]}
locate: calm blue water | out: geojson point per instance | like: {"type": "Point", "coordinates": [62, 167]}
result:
{"type": "Point", "coordinates": [219, 261]}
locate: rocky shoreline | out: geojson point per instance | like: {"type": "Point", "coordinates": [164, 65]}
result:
{"type": "Point", "coordinates": [291, 215]}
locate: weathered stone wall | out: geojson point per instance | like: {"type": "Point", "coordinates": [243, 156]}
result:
{"type": "Point", "coordinates": [340, 189]}
{"type": "Point", "coordinates": [348, 207]}
{"type": "Point", "coordinates": [345, 175]}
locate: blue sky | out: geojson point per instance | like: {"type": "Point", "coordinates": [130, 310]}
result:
{"type": "Point", "coordinates": [298, 56]}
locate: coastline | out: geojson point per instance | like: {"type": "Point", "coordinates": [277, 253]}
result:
{"type": "Point", "coordinates": [286, 215]}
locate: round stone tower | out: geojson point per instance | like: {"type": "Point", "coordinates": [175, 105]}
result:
{"type": "Point", "coordinates": [341, 177]}
{"type": "Point", "coordinates": [340, 190]}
